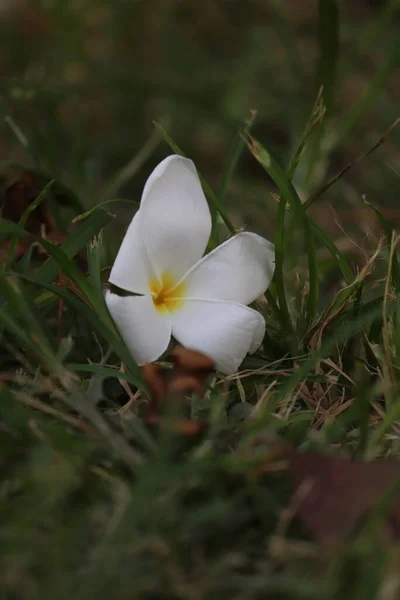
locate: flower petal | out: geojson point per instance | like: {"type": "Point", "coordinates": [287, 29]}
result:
{"type": "Point", "coordinates": [239, 270]}
{"type": "Point", "coordinates": [132, 270]}
{"type": "Point", "coordinates": [224, 331]}
{"type": "Point", "coordinates": [175, 216]}
{"type": "Point", "coordinates": [258, 334]}
{"type": "Point", "coordinates": [145, 330]}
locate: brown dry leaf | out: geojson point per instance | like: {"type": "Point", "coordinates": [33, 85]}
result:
{"type": "Point", "coordinates": [192, 361]}
{"type": "Point", "coordinates": [185, 427]}
{"type": "Point", "coordinates": [340, 493]}
{"type": "Point", "coordinates": [18, 197]}
{"type": "Point", "coordinates": [157, 384]}
{"type": "Point", "coordinates": [188, 374]}
{"type": "Point", "coordinates": [29, 20]}
{"type": "Point", "coordinates": [184, 384]}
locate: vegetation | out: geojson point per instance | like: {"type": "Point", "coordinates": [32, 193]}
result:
{"type": "Point", "coordinates": [289, 111]}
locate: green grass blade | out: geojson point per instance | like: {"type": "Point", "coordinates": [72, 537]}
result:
{"type": "Point", "coordinates": [284, 313]}
{"type": "Point", "coordinates": [22, 222]}
{"type": "Point", "coordinates": [328, 41]}
{"type": "Point", "coordinates": [78, 239]}
{"type": "Point", "coordinates": [9, 228]}
{"type": "Point", "coordinates": [365, 319]}
{"type": "Point", "coordinates": [88, 213]}
{"type": "Point", "coordinates": [67, 265]}
{"type": "Point", "coordinates": [44, 178]}
{"type": "Point", "coordinates": [63, 262]}
{"type": "Point", "coordinates": [234, 155]}
{"type": "Point", "coordinates": [314, 122]}
{"type": "Point", "coordinates": [20, 309]}
{"type": "Point", "coordinates": [328, 34]}
{"type": "Point", "coordinates": [389, 230]}
{"type": "Point", "coordinates": [94, 256]}
{"type": "Point", "coordinates": [337, 256]}
{"type": "Point", "coordinates": [105, 329]}
{"type": "Point", "coordinates": [289, 194]}
{"type": "Point", "coordinates": [105, 372]}
{"type": "Point", "coordinates": [22, 138]}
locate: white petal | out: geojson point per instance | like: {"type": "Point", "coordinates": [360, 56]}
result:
{"type": "Point", "coordinates": [224, 331]}
{"type": "Point", "coordinates": [239, 270]}
{"type": "Point", "coordinates": [175, 216]}
{"type": "Point", "coordinates": [258, 334]}
{"type": "Point", "coordinates": [132, 270]}
{"type": "Point", "coordinates": [145, 330]}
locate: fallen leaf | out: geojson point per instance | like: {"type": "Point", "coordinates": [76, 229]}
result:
{"type": "Point", "coordinates": [18, 197]}
{"type": "Point", "coordinates": [157, 384]}
{"type": "Point", "coordinates": [192, 361]}
{"type": "Point", "coordinates": [187, 376]}
{"type": "Point", "coordinates": [185, 384]}
{"type": "Point", "coordinates": [340, 493]}
{"type": "Point", "coordinates": [185, 427]}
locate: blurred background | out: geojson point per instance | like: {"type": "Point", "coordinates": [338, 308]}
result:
{"type": "Point", "coordinates": [82, 81]}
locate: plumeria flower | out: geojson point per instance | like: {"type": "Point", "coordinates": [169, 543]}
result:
{"type": "Point", "coordinates": [201, 302]}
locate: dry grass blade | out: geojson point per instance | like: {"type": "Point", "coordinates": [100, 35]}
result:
{"type": "Point", "coordinates": [37, 404]}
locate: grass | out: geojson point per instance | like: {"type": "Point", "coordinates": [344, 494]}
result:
{"type": "Point", "coordinates": [95, 501]}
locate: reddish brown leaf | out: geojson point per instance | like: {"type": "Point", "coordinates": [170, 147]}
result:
{"type": "Point", "coordinates": [185, 384]}
{"type": "Point", "coordinates": [338, 493]}
{"type": "Point", "coordinates": [20, 249]}
{"type": "Point", "coordinates": [157, 384]}
{"type": "Point", "coordinates": [18, 197]}
{"type": "Point", "coordinates": [187, 376]}
{"type": "Point", "coordinates": [185, 427]}
{"type": "Point", "coordinates": [190, 370]}
{"type": "Point", "coordinates": [29, 20]}
{"type": "Point", "coordinates": [192, 361]}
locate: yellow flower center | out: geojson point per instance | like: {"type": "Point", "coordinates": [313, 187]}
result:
{"type": "Point", "coordinates": [167, 296]}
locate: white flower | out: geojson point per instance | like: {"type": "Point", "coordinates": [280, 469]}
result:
{"type": "Point", "coordinates": [201, 302]}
